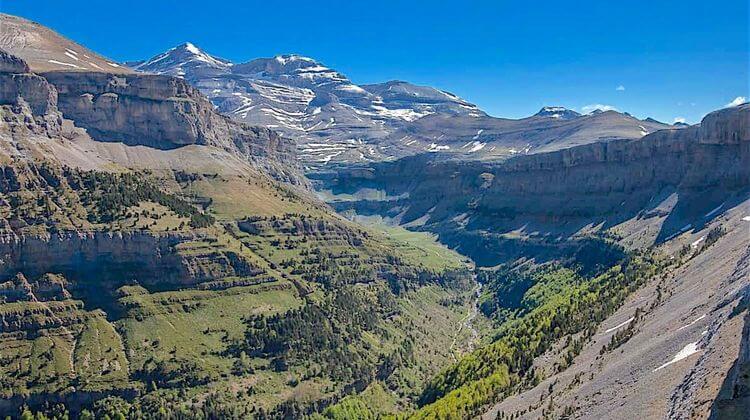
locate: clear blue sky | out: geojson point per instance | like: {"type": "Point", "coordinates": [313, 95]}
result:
{"type": "Point", "coordinates": [673, 58]}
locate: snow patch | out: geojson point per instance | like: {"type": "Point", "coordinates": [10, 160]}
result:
{"type": "Point", "coordinates": [687, 351]}
{"type": "Point", "coordinates": [692, 323]}
{"type": "Point", "coordinates": [475, 146]}
{"type": "Point", "coordinates": [328, 158]}
{"type": "Point", "coordinates": [351, 88]}
{"type": "Point", "coordinates": [398, 114]}
{"type": "Point", "coordinates": [620, 325]}
{"type": "Point", "coordinates": [62, 63]}
{"type": "Point", "coordinates": [695, 244]}
{"type": "Point", "coordinates": [284, 59]}
{"type": "Point", "coordinates": [435, 148]}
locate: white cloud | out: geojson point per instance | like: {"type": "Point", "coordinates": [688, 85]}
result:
{"type": "Point", "coordinates": [737, 101]}
{"type": "Point", "coordinates": [679, 120]}
{"type": "Point", "coordinates": [593, 107]}
{"type": "Point", "coordinates": [620, 88]}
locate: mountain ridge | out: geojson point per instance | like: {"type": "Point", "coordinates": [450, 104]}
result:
{"type": "Point", "coordinates": [133, 213]}
{"type": "Point", "coordinates": [160, 257]}
{"type": "Point", "coordinates": [337, 122]}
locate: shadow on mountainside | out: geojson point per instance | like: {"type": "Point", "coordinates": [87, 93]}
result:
{"type": "Point", "coordinates": [733, 400]}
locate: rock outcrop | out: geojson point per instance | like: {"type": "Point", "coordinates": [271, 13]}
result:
{"type": "Point", "coordinates": [29, 98]}
{"type": "Point", "coordinates": [9, 63]}
{"type": "Point", "coordinates": [114, 259]}
{"type": "Point", "coordinates": [46, 287]}
{"type": "Point", "coordinates": [165, 113]}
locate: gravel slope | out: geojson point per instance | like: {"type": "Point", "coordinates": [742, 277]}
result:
{"type": "Point", "coordinates": [683, 348]}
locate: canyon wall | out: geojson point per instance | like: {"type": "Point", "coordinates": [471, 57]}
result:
{"type": "Point", "coordinates": [539, 199]}
{"type": "Point", "coordinates": [165, 113]}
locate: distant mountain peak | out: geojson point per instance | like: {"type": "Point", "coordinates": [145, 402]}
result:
{"type": "Point", "coordinates": [557, 112]}
{"type": "Point", "coordinates": [284, 59]}
{"type": "Point", "coordinates": [179, 60]}
{"type": "Point", "coordinates": [189, 46]}
{"type": "Point", "coordinates": [653, 120]}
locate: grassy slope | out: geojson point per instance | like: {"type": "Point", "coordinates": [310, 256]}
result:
{"type": "Point", "coordinates": [179, 338]}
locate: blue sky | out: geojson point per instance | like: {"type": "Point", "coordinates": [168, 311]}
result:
{"type": "Point", "coordinates": [670, 59]}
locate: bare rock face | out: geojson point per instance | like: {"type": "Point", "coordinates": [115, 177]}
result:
{"type": "Point", "coordinates": [39, 95]}
{"type": "Point", "coordinates": [165, 112]}
{"type": "Point", "coordinates": [9, 63]}
{"type": "Point", "coordinates": [16, 288]}
{"type": "Point", "coordinates": [97, 259]}
{"type": "Point", "coordinates": [50, 287]}
{"type": "Point", "coordinates": [32, 99]}
{"type": "Point", "coordinates": [554, 195]}
{"type": "Point", "coordinates": [46, 287]}
{"type": "Point", "coordinates": [726, 126]}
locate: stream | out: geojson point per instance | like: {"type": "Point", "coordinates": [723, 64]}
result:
{"type": "Point", "coordinates": [467, 322]}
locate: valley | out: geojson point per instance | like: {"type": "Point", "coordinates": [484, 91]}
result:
{"type": "Point", "coordinates": [189, 237]}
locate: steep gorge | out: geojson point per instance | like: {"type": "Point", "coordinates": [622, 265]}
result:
{"type": "Point", "coordinates": [538, 204]}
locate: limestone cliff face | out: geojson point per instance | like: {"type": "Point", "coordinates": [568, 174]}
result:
{"type": "Point", "coordinates": [602, 179]}
{"type": "Point", "coordinates": [165, 112]}
{"type": "Point", "coordinates": [26, 98]}
{"type": "Point", "coordinates": [113, 259]}
{"type": "Point", "coordinates": [152, 111]}
{"type": "Point", "coordinates": [9, 63]}
{"type": "Point", "coordinates": [556, 194]}
{"type": "Point", "coordinates": [46, 287]}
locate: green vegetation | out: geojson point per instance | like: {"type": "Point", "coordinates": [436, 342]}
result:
{"type": "Point", "coordinates": [43, 198]}
{"type": "Point", "coordinates": [324, 333]}
{"type": "Point", "coordinates": [109, 194]}
{"type": "Point", "coordinates": [560, 303]}
{"type": "Point", "coordinates": [419, 248]}
{"type": "Point", "coordinates": [284, 309]}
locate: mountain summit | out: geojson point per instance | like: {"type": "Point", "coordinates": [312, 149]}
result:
{"type": "Point", "coordinates": [335, 121]}
{"type": "Point", "coordinates": [557, 112]}
{"type": "Point", "coordinates": [329, 116]}
{"type": "Point", "coordinates": [182, 60]}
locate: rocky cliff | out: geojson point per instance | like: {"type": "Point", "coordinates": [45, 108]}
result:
{"type": "Point", "coordinates": [164, 112]}
{"type": "Point", "coordinates": [107, 260]}
{"type": "Point", "coordinates": [678, 175]}
{"type": "Point", "coordinates": [26, 97]}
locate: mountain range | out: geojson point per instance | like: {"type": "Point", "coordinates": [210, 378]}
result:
{"type": "Point", "coordinates": [187, 237]}
{"type": "Point", "coordinates": [337, 122]}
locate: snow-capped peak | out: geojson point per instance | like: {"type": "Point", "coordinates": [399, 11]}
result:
{"type": "Point", "coordinates": [290, 58]}
{"type": "Point", "coordinates": [177, 61]}
{"type": "Point", "coordinates": [557, 112]}
{"type": "Point", "coordinates": [200, 55]}
{"type": "Point", "coordinates": [192, 48]}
